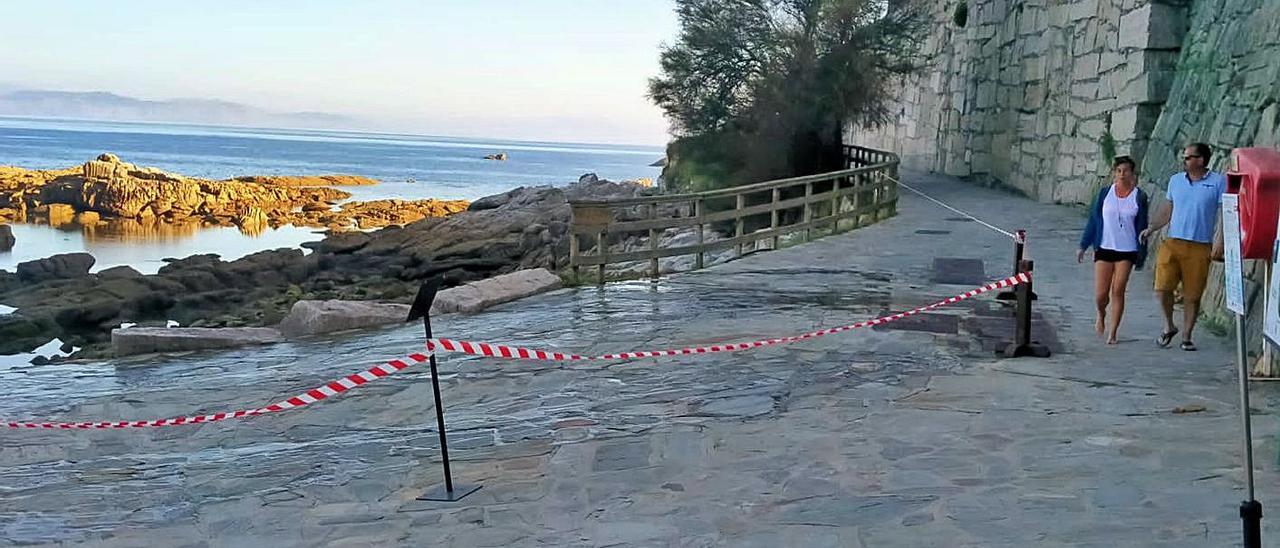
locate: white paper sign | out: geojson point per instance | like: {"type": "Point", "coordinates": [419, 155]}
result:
{"type": "Point", "coordinates": [1234, 277]}
{"type": "Point", "coordinates": [1271, 317]}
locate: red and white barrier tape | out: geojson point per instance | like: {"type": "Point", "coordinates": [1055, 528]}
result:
{"type": "Point", "coordinates": [518, 353]}
{"type": "Point", "coordinates": [339, 386]}
{"type": "Point", "coordinates": [316, 394]}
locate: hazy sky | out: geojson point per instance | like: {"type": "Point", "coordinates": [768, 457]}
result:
{"type": "Point", "coordinates": [572, 70]}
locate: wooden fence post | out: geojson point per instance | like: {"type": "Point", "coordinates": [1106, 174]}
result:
{"type": "Point", "coordinates": [773, 215]}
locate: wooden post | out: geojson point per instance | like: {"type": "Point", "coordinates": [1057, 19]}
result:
{"type": "Point", "coordinates": [574, 252]}
{"type": "Point", "coordinates": [773, 215]}
{"type": "Point", "coordinates": [653, 243]}
{"type": "Point", "coordinates": [808, 210]}
{"type": "Point", "coordinates": [737, 232]}
{"type": "Point", "coordinates": [602, 247]}
{"type": "Point", "coordinates": [857, 200]}
{"type": "Point", "coordinates": [893, 189]}
{"type": "Point", "coordinates": [876, 195]}
{"type": "Point", "coordinates": [835, 204]}
{"type": "Point", "coordinates": [698, 212]}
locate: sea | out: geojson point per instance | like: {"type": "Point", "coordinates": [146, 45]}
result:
{"type": "Point", "coordinates": [407, 166]}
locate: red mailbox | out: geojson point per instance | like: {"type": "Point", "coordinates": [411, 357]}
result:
{"type": "Point", "coordinates": [1255, 176]}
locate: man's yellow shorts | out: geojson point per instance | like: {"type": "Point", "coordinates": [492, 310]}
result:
{"type": "Point", "coordinates": [1183, 261]}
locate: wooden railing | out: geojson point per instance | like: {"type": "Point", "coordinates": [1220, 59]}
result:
{"type": "Point", "coordinates": [769, 211]}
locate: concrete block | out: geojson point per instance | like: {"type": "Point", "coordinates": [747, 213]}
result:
{"type": "Point", "coordinates": [316, 317]}
{"type": "Point", "coordinates": [147, 340]}
{"type": "Point", "coordinates": [477, 296]}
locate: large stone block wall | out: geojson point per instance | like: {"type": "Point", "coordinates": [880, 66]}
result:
{"type": "Point", "coordinates": [1226, 92]}
{"type": "Point", "coordinates": [1026, 94]}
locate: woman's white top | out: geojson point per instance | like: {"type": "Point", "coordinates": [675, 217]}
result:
{"type": "Point", "coordinates": [1118, 214]}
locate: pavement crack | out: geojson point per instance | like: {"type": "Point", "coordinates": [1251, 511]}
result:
{"type": "Point", "coordinates": [1091, 383]}
{"type": "Point", "coordinates": [942, 408]}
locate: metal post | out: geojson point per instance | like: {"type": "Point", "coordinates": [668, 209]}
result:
{"type": "Point", "coordinates": [448, 492]}
{"type": "Point", "coordinates": [1022, 344]}
{"type": "Point", "coordinates": [1250, 509]}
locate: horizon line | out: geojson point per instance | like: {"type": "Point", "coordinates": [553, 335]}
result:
{"type": "Point", "coordinates": [343, 130]}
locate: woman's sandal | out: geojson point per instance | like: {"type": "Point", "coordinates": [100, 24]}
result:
{"type": "Point", "coordinates": [1189, 346]}
{"type": "Point", "coordinates": [1165, 338]}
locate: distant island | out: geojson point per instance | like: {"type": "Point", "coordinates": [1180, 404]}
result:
{"type": "Point", "coordinates": [101, 105]}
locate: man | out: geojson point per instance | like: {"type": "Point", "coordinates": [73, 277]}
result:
{"type": "Point", "coordinates": [1195, 239]}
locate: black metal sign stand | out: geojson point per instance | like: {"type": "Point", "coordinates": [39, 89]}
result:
{"type": "Point", "coordinates": [446, 492]}
{"type": "Point", "coordinates": [1250, 509]}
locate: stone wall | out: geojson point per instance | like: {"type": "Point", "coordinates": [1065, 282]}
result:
{"type": "Point", "coordinates": [1036, 94]}
{"type": "Point", "coordinates": [1032, 94]}
{"type": "Point", "coordinates": [1226, 92]}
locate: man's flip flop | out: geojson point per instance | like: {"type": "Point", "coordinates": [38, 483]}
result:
{"type": "Point", "coordinates": [1189, 346]}
{"type": "Point", "coordinates": [1165, 338]}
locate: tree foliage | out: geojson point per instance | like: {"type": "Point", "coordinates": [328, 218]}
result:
{"type": "Point", "coordinates": [759, 89]}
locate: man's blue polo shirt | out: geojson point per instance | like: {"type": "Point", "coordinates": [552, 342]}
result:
{"type": "Point", "coordinates": [1195, 206]}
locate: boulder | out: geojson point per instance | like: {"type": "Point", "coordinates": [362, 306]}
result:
{"type": "Point", "coordinates": [341, 242]}
{"type": "Point", "coordinates": [316, 317]}
{"type": "Point", "coordinates": [644, 182]}
{"type": "Point", "coordinates": [57, 214]}
{"type": "Point", "coordinates": [477, 296]}
{"type": "Point", "coordinates": [588, 178]}
{"type": "Point", "coordinates": [119, 272]}
{"type": "Point", "coordinates": [251, 220]}
{"type": "Point", "coordinates": [86, 315]}
{"type": "Point", "coordinates": [57, 267]}
{"type": "Point", "coordinates": [492, 202]}
{"type": "Point", "coordinates": [147, 340]}
{"type": "Point", "coordinates": [6, 238]}
{"type": "Point", "coordinates": [19, 333]}
{"type": "Point", "coordinates": [88, 218]}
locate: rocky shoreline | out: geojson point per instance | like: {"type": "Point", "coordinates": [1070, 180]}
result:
{"type": "Point", "coordinates": [521, 229]}
{"type": "Point", "coordinates": [107, 188]}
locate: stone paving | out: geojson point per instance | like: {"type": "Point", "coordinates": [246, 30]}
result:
{"type": "Point", "coordinates": [908, 435]}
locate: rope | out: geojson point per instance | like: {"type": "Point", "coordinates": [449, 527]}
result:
{"type": "Point", "coordinates": [963, 213]}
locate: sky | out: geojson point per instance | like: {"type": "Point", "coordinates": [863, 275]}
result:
{"type": "Point", "coordinates": [559, 70]}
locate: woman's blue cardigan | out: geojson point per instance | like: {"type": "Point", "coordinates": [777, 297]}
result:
{"type": "Point", "coordinates": [1092, 236]}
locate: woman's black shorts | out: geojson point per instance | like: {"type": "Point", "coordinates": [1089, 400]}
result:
{"type": "Point", "coordinates": [1112, 256]}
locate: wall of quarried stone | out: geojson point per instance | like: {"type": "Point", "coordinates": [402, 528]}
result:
{"type": "Point", "coordinates": [1226, 92]}
{"type": "Point", "coordinates": [1028, 94]}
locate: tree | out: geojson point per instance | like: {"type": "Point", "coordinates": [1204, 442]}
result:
{"type": "Point", "coordinates": [759, 89]}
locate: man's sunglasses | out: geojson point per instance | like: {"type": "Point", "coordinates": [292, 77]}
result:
{"type": "Point", "coordinates": [1192, 156]}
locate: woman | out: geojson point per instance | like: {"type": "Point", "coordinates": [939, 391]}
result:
{"type": "Point", "coordinates": [1118, 215]}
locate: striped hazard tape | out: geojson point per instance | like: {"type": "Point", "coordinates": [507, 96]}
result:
{"type": "Point", "coordinates": [316, 394]}
{"type": "Point", "coordinates": [339, 386]}
{"type": "Point", "coordinates": [518, 353]}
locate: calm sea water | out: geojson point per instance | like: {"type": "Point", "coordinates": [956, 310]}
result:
{"type": "Point", "coordinates": [411, 167]}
